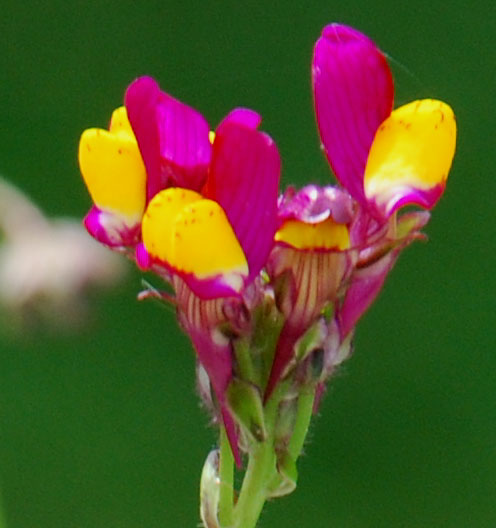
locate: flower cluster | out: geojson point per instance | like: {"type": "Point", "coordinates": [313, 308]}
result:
{"type": "Point", "coordinates": [269, 287]}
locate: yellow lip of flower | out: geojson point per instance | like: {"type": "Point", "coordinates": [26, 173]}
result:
{"type": "Point", "coordinates": [327, 234]}
{"type": "Point", "coordinates": [411, 153]}
{"type": "Point", "coordinates": [193, 235]}
{"type": "Point", "coordinates": [113, 170]}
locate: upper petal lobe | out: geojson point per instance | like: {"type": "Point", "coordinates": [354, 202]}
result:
{"type": "Point", "coordinates": [353, 95]}
{"type": "Point", "coordinates": [244, 180]}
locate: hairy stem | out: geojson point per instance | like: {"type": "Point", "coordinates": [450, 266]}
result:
{"type": "Point", "coordinates": [226, 475]}
{"type": "Point", "coordinates": [302, 423]}
{"type": "Point", "coordinates": [259, 472]}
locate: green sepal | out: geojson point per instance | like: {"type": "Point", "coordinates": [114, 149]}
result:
{"type": "Point", "coordinates": [267, 325]}
{"type": "Point", "coordinates": [284, 482]}
{"type": "Point", "coordinates": [245, 402]}
{"type": "Point", "coordinates": [285, 422]}
{"type": "Point", "coordinates": [409, 224]}
{"type": "Point", "coordinates": [328, 312]}
{"type": "Point", "coordinates": [313, 338]}
{"type": "Point", "coordinates": [244, 366]}
{"type": "Point", "coordinates": [345, 350]}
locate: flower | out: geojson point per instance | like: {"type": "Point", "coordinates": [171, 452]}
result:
{"type": "Point", "coordinates": [212, 244]}
{"type": "Point", "coordinates": [153, 142]}
{"type": "Point", "coordinates": [311, 259]}
{"type": "Point", "coordinates": [163, 184]}
{"type": "Point", "coordinates": [215, 227]}
{"type": "Point", "coordinates": [336, 247]}
{"type": "Point", "coordinates": [198, 207]}
{"type": "Point", "coordinates": [385, 158]}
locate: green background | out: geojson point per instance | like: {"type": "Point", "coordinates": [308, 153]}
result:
{"type": "Point", "coordinates": [102, 428]}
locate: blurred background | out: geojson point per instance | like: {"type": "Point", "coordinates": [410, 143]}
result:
{"type": "Point", "coordinates": [99, 421]}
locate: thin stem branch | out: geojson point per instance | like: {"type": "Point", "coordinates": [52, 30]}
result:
{"type": "Point", "coordinates": [302, 423]}
{"type": "Point", "coordinates": [245, 361]}
{"type": "Point", "coordinates": [260, 471]}
{"type": "Point", "coordinates": [226, 475]}
{"type": "Point", "coordinates": [254, 490]}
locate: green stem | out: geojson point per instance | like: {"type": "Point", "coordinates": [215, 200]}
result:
{"type": "Point", "coordinates": [254, 490]}
{"type": "Point", "coordinates": [302, 422]}
{"type": "Point", "coordinates": [226, 474]}
{"type": "Point", "coordinates": [260, 471]}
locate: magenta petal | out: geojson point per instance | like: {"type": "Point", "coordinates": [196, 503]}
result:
{"type": "Point", "coordinates": [142, 257]}
{"type": "Point", "coordinates": [211, 288]}
{"type": "Point", "coordinates": [244, 180]}
{"type": "Point", "coordinates": [173, 137]}
{"type": "Point", "coordinates": [201, 320]}
{"type": "Point", "coordinates": [314, 204]}
{"type": "Point", "coordinates": [141, 100]}
{"type": "Point", "coordinates": [109, 230]}
{"type": "Point", "coordinates": [365, 286]}
{"type": "Point", "coordinates": [353, 95]}
{"type": "Point", "coordinates": [185, 147]}
{"type": "Point", "coordinates": [426, 198]}
{"type": "Point", "coordinates": [216, 360]}
{"type": "Point", "coordinates": [243, 116]}
{"type": "Point", "coordinates": [283, 355]}
{"type": "Point", "coordinates": [232, 434]}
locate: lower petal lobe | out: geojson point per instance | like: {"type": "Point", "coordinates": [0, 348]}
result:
{"type": "Point", "coordinates": [192, 236]}
{"type": "Point", "coordinates": [323, 235]}
{"type": "Point", "coordinates": [113, 170]}
{"type": "Point", "coordinates": [411, 156]}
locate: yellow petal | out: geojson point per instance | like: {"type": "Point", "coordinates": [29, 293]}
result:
{"type": "Point", "coordinates": [113, 170]}
{"type": "Point", "coordinates": [412, 151]}
{"type": "Point", "coordinates": [119, 123]}
{"type": "Point", "coordinates": [324, 235]}
{"type": "Point", "coordinates": [205, 243]}
{"type": "Point", "coordinates": [159, 221]}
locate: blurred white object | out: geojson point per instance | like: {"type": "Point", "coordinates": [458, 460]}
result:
{"type": "Point", "coordinates": [47, 266]}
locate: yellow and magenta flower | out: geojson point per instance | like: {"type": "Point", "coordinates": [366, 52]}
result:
{"type": "Point", "coordinates": [198, 207]}
{"type": "Point", "coordinates": [385, 159]}
{"type": "Point", "coordinates": [217, 238]}
{"type": "Point", "coordinates": [192, 203]}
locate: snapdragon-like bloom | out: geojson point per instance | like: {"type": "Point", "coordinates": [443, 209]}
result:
{"type": "Point", "coordinates": [211, 242]}
{"type": "Point", "coordinates": [198, 207]}
{"type": "Point", "coordinates": [337, 251]}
